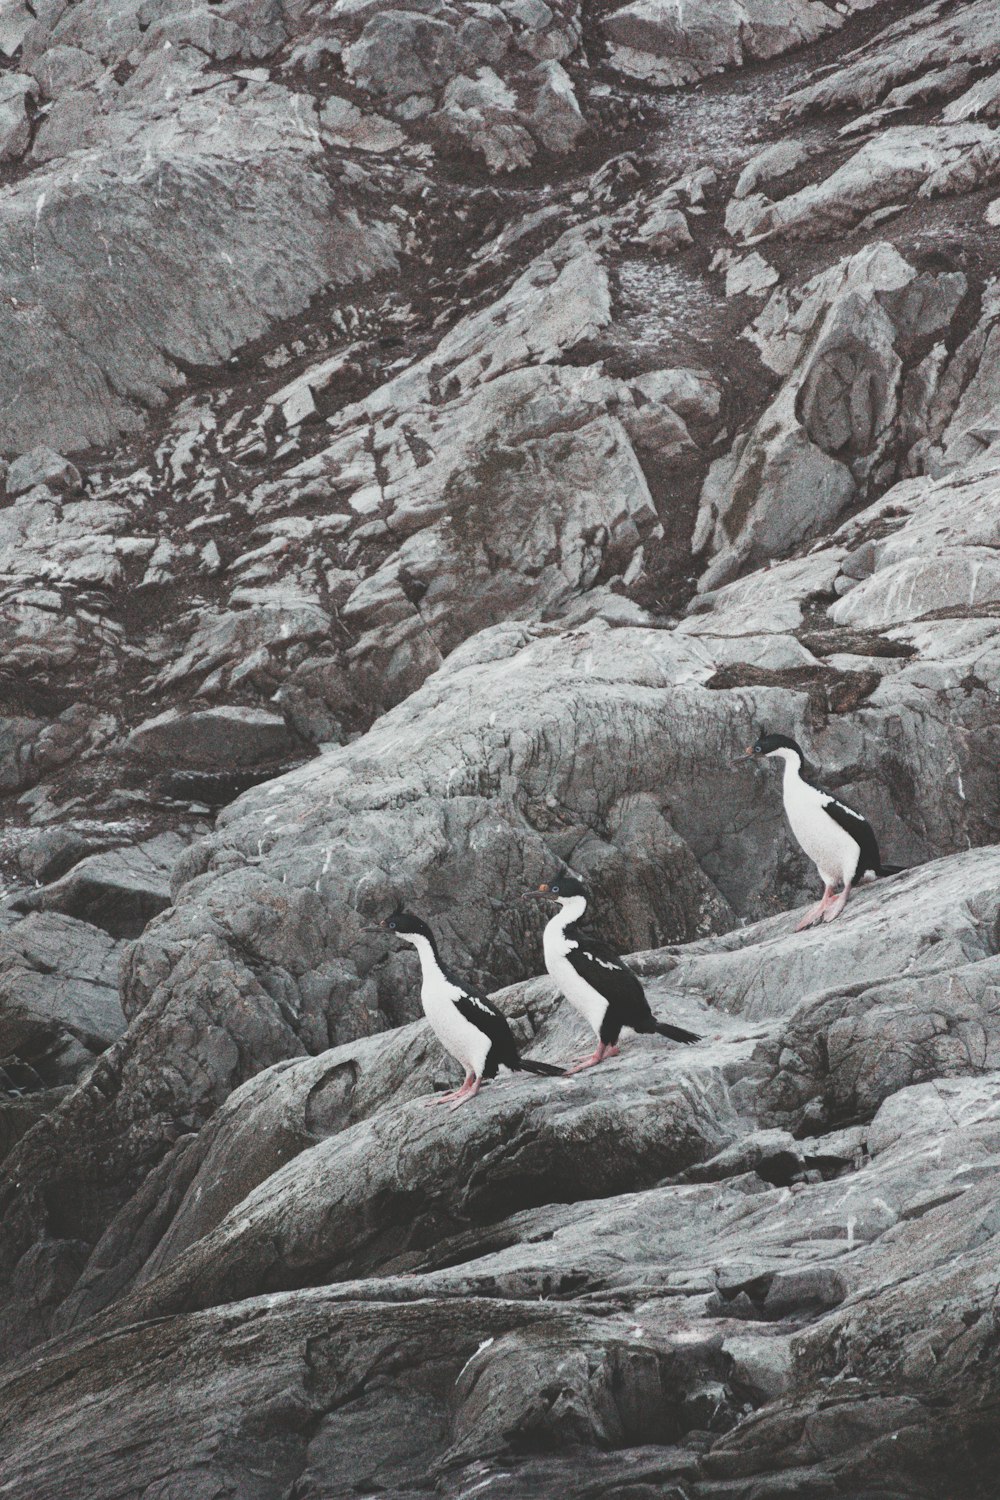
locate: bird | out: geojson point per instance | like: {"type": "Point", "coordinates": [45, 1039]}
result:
{"type": "Point", "coordinates": [465, 1023]}
{"type": "Point", "coordinates": [593, 978]}
{"type": "Point", "coordinates": [839, 841]}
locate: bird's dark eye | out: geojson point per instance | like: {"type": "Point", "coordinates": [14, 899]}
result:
{"type": "Point", "coordinates": [392, 925]}
{"type": "Point", "coordinates": [554, 889]}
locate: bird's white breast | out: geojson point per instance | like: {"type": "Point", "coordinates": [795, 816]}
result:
{"type": "Point", "coordinates": [460, 1037]}
{"type": "Point", "coordinates": [831, 848]}
{"type": "Point", "coordinates": [582, 996]}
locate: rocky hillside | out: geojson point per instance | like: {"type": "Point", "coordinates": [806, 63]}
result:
{"type": "Point", "coordinates": [435, 439]}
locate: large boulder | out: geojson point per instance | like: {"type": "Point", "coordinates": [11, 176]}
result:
{"type": "Point", "coordinates": [59, 1005]}
{"type": "Point", "coordinates": [15, 123]}
{"type": "Point", "coordinates": [678, 43]}
{"type": "Point", "coordinates": [217, 738]}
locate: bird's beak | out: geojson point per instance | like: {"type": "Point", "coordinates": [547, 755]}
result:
{"type": "Point", "coordinates": [541, 894]}
{"type": "Point", "coordinates": [371, 927]}
{"type": "Point", "coordinates": [748, 754]}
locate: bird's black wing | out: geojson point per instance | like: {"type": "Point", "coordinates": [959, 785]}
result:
{"type": "Point", "coordinates": [860, 830]}
{"type": "Point", "coordinates": [483, 1014]}
{"type": "Point", "coordinates": [611, 977]}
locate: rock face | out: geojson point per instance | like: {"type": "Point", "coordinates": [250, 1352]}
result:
{"type": "Point", "coordinates": [840, 343]}
{"type": "Point", "coordinates": [679, 43]}
{"type": "Point", "coordinates": [435, 438]}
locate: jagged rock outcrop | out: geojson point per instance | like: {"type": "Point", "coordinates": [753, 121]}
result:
{"type": "Point", "coordinates": [684, 42]}
{"type": "Point", "coordinates": [831, 433]}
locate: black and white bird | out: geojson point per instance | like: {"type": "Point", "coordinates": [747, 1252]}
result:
{"type": "Point", "coordinates": [593, 978]}
{"type": "Point", "coordinates": [839, 841]}
{"type": "Point", "coordinates": [465, 1023]}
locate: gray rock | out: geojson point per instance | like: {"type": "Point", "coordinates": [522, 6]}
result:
{"type": "Point", "coordinates": [692, 394]}
{"type": "Point", "coordinates": [673, 45]}
{"type": "Point", "coordinates": [346, 125]}
{"type": "Point", "coordinates": [221, 645]}
{"type": "Point", "coordinates": [61, 68]}
{"type": "Point", "coordinates": [465, 484]}
{"type": "Point", "coordinates": [837, 342]}
{"type": "Point", "coordinates": [773, 162]}
{"type": "Point", "coordinates": [905, 161]}
{"type": "Point", "coordinates": [497, 444]}
{"type": "Point", "coordinates": [850, 1268]}
{"type": "Point", "coordinates": [555, 119]}
{"type": "Point", "coordinates": [46, 853]}
{"type": "Point", "coordinates": [915, 44]}
{"type": "Point", "coordinates": [117, 890]}
{"type": "Point", "coordinates": [212, 737]}
{"type": "Point", "coordinates": [483, 113]}
{"type": "Point", "coordinates": [59, 1005]}
{"type": "Point", "coordinates": [402, 52]}
{"type": "Point", "coordinates": [72, 380]}
{"type": "Point", "coordinates": [954, 417]}
{"type": "Point", "coordinates": [18, 735]}
{"type": "Point", "coordinates": [752, 274]}
{"type": "Point", "coordinates": [14, 27]}
{"type": "Point", "coordinates": [42, 466]}
{"type": "Point", "coordinates": [664, 229]}
{"type": "Point", "coordinates": [15, 126]}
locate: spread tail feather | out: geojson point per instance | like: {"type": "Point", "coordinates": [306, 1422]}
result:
{"type": "Point", "coordinates": [549, 1070]}
{"type": "Point", "coordinates": [675, 1033]}
{"type": "Point", "coordinates": [889, 870]}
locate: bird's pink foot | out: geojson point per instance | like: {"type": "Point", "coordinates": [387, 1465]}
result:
{"type": "Point", "coordinates": [837, 906]}
{"type": "Point", "coordinates": [454, 1094]}
{"type": "Point", "coordinates": [464, 1094]}
{"type": "Point", "coordinates": [817, 913]}
{"type": "Point", "coordinates": [600, 1052]}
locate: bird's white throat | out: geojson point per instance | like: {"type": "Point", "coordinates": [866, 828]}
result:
{"type": "Point", "coordinates": [570, 910]}
{"type": "Point", "coordinates": [792, 758]}
{"type": "Point", "coordinates": [429, 966]}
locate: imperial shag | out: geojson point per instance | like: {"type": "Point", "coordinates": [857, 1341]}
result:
{"type": "Point", "coordinates": [593, 978]}
{"type": "Point", "coordinates": [840, 842]}
{"type": "Point", "coordinates": [466, 1024]}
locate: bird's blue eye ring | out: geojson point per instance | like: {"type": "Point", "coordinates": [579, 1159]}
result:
{"type": "Point", "coordinates": [554, 889]}
{"type": "Point", "coordinates": [392, 925]}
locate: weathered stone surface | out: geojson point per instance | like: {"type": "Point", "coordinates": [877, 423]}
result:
{"type": "Point", "coordinates": [59, 1006]}
{"type": "Point", "coordinates": [498, 445]}
{"type": "Point", "coordinates": [402, 52]}
{"type": "Point", "coordinates": [714, 1288]}
{"type": "Point", "coordinates": [955, 399]}
{"type": "Point", "coordinates": [664, 229]}
{"type": "Point", "coordinates": [118, 890]}
{"type": "Point", "coordinates": [838, 342]}
{"type": "Point", "coordinates": [940, 560]}
{"type": "Point", "coordinates": [768, 165]}
{"type": "Point", "coordinates": [908, 160]}
{"type": "Point", "coordinates": [912, 45]}
{"type": "Point", "coordinates": [15, 125]}
{"type": "Point", "coordinates": [345, 124]}
{"type": "Point", "coordinates": [464, 69]}
{"type": "Point", "coordinates": [42, 466]}
{"type": "Point", "coordinates": [672, 44]}
{"type": "Point", "coordinates": [214, 737]}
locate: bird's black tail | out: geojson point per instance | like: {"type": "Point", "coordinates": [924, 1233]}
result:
{"type": "Point", "coordinates": [548, 1069]}
{"type": "Point", "coordinates": [675, 1033]}
{"type": "Point", "coordinates": [889, 870]}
